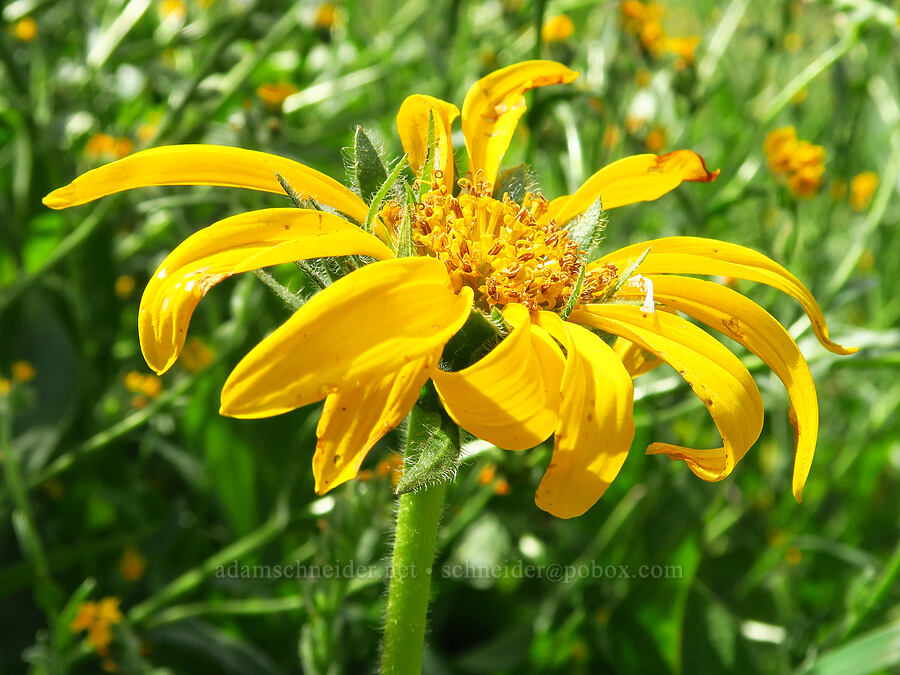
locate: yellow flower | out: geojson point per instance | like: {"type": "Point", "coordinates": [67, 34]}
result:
{"type": "Point", "coordinates": [172, 9]}
{"type": "Point", "coordinates": [326, 16]}
{"type": "Point", "coordinates": [134, 381]}
{"type": "Point", "coordinates": [367, 343]}
{"type": "Point", "coordinates": [104, 146]}
{"type": "Point", "coordinates": [97, 619]}
{"type": "Point", "coordinates": [196, 356]}
{"type": "Point", "coordinates": [25, 29]}
{"type": "Point", "coordinates": [656, 139]}
{"type": "Point", "coordinates": [275, 94]}
{"type": "Point", "coordinates": [779, 147]}
{"type": "Point", "coordinates": [132, 565]}
{"type": "Point", "coordinates": [862, 188]}
{"type": "Point", "coordinates": [557, 28]}
{"type": "Point", "coordinates": [684, 49]}
{"type": "Point", "coordinates": [486, 475]}
{"type": "Point", "coordinates": [653, 37]}
{"type": "Point", "coordinates": [5, 386]}
{"type": "Point", "coordinates": [124, 286]}
{"type": "Point", "coordinates": [22, 371]}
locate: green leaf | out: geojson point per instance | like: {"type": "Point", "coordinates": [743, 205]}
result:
{"type": "Point", "coordinates": [586, 229]}
{"type": "Point", "coordinates": [876, 651]}
{"type": "Point", "coordinates": [367, 172]}
{"type": "Point", "coordinates": [405, 244]}
{"type": "Point", "coordinates": [382, 193]}
{"type": "Point", "coordinates": [425, 179]}
{"type": "Point", "coordinates": [576, 291]}
{"type": "Point", "coordinates": [432, 445]}
{"type": "Point", "coordinates": [626, 275]}
{"type": "Point", "coordinates": [517, 181]}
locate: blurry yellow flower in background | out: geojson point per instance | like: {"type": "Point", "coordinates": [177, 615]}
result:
{"type": "Point", "coordinates": [124, 286]}
{"type": "Point", "coordinates": [862, 188]}
{"type": "Point", "coordinates": [171, 9]}
{"type": "Point", "coordinates": [611, 136]}
{"type": "Point", "coordinates": [5, 386]}
{"type": "Point", "coordinates": [557, 28]}
{"type": "Point", "coordinates": [802, 162]}
{"type": "Point", "coordinates": [105, 146]}
{"type": "Point", "coordinates": [684, 49]}
{"type": "Point", "coordinates": [22, 371]}
{"type": "Point", "coordinates": [326, 16]}
{"type": "Point", "coordinates": [456, 256]}
{"type": "Point", "coordinates": [196, 356]}
{"type": "Point", "coordinates": [486, 475]}
{"type": "Point", "coordinates": [25, 29]}
{"type": "Point", "coordinates": [97, 620]}
{"type": "Point", "coordinates": [653, 37]}
{"type": "Point", "coordinates": [132, 565]}
{"type": "Point", "coordinates": [274, 94]}
{"type": "Point", "coordinates": [656, 139]}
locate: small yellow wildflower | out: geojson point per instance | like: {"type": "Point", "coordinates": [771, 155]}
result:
{"type": "Point", "coordinates": [274, 94]}
{"type": "Point", "coordinates": [122, 147]}
{"type": "Point", "coordinates": [196, 356]}
{"type": "Point", "coordinates": [97, 619]}
{"type": "Point", "coordinates": [105, 146]}
{"type": "Point", "coordinates": [806, 181]}
{"type": "Point", "coordinates": [172, 9]}
{"type": "Point", "coordinates": [501, 487]}
{"type": "Point", "coordinates": [684, 48]}
{"type": "Point", "coordinates": [151, 387]}
{"type": "Point", "coordinates": [486, 475]}
{"type": "Point", "coordinates": [5, 386]}
{"type": "Point", "coordinates": [779, 147]}
{"type": "Point", "coordinates": [800, 96]}
{"type": "Point", "coordinates": [326, 16]}
{"type": "Point", "coordinates": [124, 286]}
{"type": "Point", "coordinates": [653, 37]}
{"type": "Point", "coordinates": [25, 29]}
{"type": "Point", "coordinates": [611, 136]}
{"type": "Point", "coordinates": [557, 28]}
{"type": "Point", "coordinates": [132, 565]}
{"type": "Point", "coordinates": [134, 381]}
{"type": "Point", "coordinates": [862, 188]}
{"type": "Point", "coordinates": [22, 371]}
{"type": "Point", "coordinates": [467, 252]}
{"type": "Point", "coordinates": [656, 139]}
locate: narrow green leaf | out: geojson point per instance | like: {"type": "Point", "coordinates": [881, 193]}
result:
{"type": "Point", "coordinates": [586, 229]}
{"type": "Point", "coordinates": [427, 176]}
{"type": "Point", "coordinates": [875, 651]}
{"type": "Point", "coordinates": [517, 181]}
{"type": "Point", "coordinates": [382, 193]}
{"type": "Point", "coordinates": [405, 245]}
{"type": "Point", "coordinates": [367, 171]}
{"type": "Point", "coordinates": [432, 446]}
{"type": "Point", "coordinates": [576, 291]}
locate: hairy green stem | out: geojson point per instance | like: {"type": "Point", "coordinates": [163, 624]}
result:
{"type": "Point", "coordinates": [410, 573]}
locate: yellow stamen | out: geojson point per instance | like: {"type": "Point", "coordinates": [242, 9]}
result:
{"type": "Point", "coordinates": [503, 250]}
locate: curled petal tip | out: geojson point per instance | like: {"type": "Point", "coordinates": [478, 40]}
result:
{"type": "Point", "coordinates": [691, 165]}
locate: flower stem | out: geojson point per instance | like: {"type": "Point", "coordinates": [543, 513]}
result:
{"type": "Point", "coordinates": [407, 606]}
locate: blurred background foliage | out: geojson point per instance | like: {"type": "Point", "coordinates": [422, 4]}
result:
{"type": "Point", "coordinates": [124, 493]}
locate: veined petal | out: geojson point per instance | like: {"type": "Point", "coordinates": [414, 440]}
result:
{"type": "Point", "coordinates": [637, 361]}
{"type": "Point", "coordinates": [412, 124]}
{"type": "Point", "coordinates": [501, 397]}
{"type": "Point", "coordinates": [640, 178]}
{"type": "Point", "coordinates": [361, 328]}
{"type": "Point", "coordinates": [494, 105]}
{"type": "Point", "coordinates": [717, 377]}
{"type": "Point", "coordinates": [749, 324]}
{"type": "Point", "coordinates": [596, 425]}
{"type": "Point", "coordinates": [696, 255]}
{"type": "Point", "coordinates": [354, 420]}
{"type": "Point", "coordinates": [207, 165]}
{"type": "Point", "coordinates": [241, 243]}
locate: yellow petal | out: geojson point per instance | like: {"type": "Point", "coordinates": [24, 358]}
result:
{"type": "Point", "coordinates": [241, 243]}
{"type": "Point", "coordinates": [354, 420]}
{"type": "Point", "coordinates": [749, 324]}
{"type": "Point", "coordinates": [717, 377]}
{"type": "Point", "coordinates": [412, 124]}
{"type": "Point", "coordinates": [640, 178]}
{"type": "Point", "coordinates": [494, 105]}
{"type": "Point", "coordinates": [207, 165]}
{"type": "Point", "coordinates": [361, 328]}
{"type": "Point", "coordinates": [501, 397]}
{"type": "Point", "coordinates": [637, 361]}
{"type": "Point", "coordinates": [596, 425]}
{"type": "Point", "coordinates": [695, 255]}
